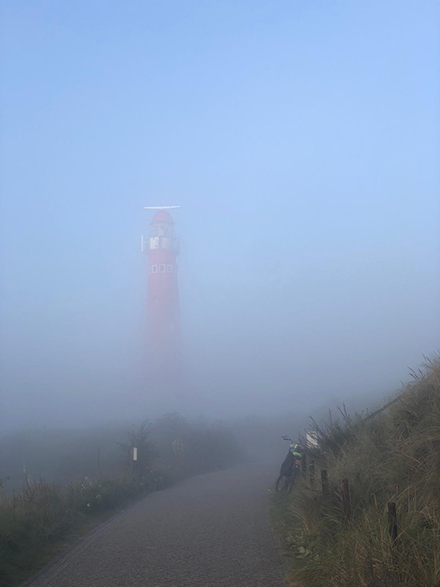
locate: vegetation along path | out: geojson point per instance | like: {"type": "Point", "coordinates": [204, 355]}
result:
{"type": "Point", "coordinates": [210, 531]}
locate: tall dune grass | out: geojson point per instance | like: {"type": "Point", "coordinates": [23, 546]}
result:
{"type": "Point", "coordinates": [393, 457]}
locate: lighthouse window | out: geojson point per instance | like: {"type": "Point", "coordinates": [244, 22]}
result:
{"type": "Point", "coordinates": [153, 268]}
{"type": "Point", "coordinates": [169, 268]}
{"type": "Point", "coordinates": [162, 268]}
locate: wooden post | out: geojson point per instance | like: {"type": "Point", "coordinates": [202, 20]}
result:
{"type": "Point", "coordinates": [312, 473]}
{"type": "Point", "coordinates": [324, 482]}
{"type": "Point", "coordinates": [392, 521]}
{"type": "Point", "coordinates": [346, 499]}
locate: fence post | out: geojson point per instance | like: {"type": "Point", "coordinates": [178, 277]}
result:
{"type": "Point", "coordinates": [312, 473]}
{"type": "Point", "coordinates": [346, 499]}
{"type": "Point", "coordinates": [392, 521]}
{"type": "Point", "coordinates": [324, 482]}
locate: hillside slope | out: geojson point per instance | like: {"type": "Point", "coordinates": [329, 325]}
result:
{"type": "Point", "coordinates": [391, 458]}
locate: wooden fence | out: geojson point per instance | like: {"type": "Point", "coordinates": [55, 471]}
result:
{"type": "Point", "coordinates": [393, 526]}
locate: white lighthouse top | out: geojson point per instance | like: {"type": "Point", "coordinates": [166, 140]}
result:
{"type": "Point", "coordinates": [162, 234]}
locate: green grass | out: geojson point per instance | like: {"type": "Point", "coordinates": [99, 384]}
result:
{"type": "Point", "coordinates": [394, 457]}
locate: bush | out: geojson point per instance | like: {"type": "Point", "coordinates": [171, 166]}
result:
{"type": "Point", "coordinates": [190, 448]}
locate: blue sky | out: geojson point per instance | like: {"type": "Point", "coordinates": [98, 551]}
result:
{"type": "Point", "coordinates": [302, 142]}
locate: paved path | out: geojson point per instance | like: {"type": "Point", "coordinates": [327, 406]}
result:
{"type": "Point", "coordinates": [209, 531]}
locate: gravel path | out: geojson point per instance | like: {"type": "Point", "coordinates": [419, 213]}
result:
{"type": "Point", "coordinates": [209, 531]}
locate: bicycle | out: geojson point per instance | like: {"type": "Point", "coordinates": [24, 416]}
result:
{"type": "Point", "coordinates": [287, 476]}
{"type": "Point", "coordinates": [287, 481]}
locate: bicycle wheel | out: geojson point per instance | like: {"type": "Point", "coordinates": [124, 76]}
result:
{"type": "Point", "coordinates": [278, 483]}
{"type": "Point", "coordinates": [289, 484]}
{"type": "Point", "coordinates": [292, 480]}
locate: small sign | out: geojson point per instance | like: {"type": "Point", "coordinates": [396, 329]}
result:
{"type": "Point", "coordinates": [135, 453]}
{"type": "Point", "coordinates": [312, 440]}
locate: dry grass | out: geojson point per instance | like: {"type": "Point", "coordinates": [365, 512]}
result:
{"type": "Point", "coordinates": [394, 457]}
{"type": "Point", "coordinates": [43, 515]}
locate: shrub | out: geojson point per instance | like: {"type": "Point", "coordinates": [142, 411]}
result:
{"type": "Point", "coordinates": [201, 446]}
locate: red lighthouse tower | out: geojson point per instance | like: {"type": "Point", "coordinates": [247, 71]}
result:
{"type": "Point", "coordinates": [163, 313]}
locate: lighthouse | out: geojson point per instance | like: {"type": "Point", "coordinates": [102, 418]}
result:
{"type": "Point", "coordinates": [163, 312]}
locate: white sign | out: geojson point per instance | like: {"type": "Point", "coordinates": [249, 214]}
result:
{"type": "Point", "coordinates": [135, 453]}
{"type": "Point", "coordinates": [312, 440]}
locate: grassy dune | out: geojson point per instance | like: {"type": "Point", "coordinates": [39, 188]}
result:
{"type": "Point", "coordinates": [392, 457]}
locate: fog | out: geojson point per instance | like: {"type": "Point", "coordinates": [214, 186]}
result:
{"type": "Point", "coordinates": [301, 141]}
